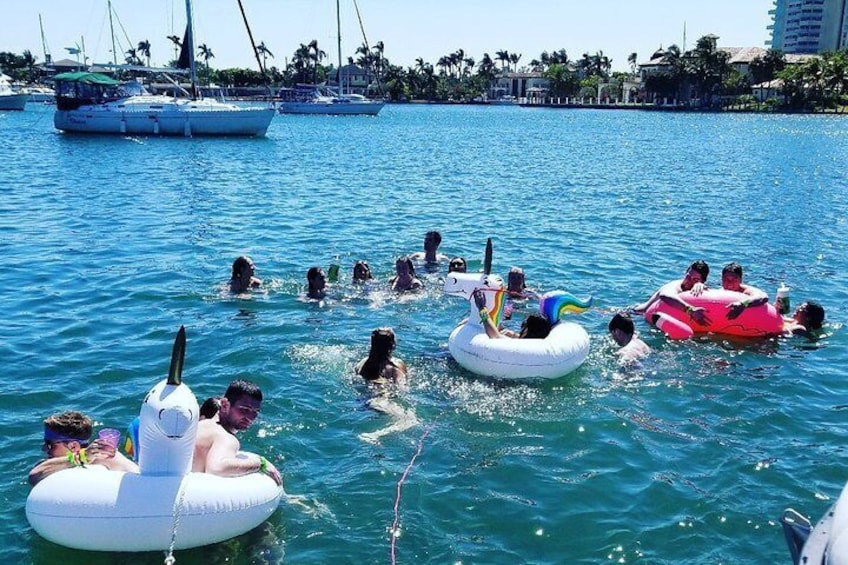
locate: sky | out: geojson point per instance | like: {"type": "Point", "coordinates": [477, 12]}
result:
{"type": "Point", "coordinates": [408, 29]}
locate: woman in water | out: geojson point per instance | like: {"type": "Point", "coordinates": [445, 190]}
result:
{"type": "Point", "coordinates": [380, 366]}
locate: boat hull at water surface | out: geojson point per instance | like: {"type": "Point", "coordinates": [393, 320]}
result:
{"type": "Point", "coordinates": [162, 115]}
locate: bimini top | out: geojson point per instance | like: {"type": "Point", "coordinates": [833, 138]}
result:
{"type": "Point", "coordinates": [87, 78]}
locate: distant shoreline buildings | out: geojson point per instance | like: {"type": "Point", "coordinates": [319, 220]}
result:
{"type": "Point", "coordinates": [809, 26]}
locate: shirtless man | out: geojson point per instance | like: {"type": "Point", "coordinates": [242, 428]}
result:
{"type": "Point", "coordinates": [731, 279]}
{"type": "Point", "coordinates": [67, 444]}
{"type": "Point", "coordinates": [623, 332]}
{"type": "Point", "coordinates": [216, 448]}
{"type": "Point", "coordinates": [430, 256]}
{"type": "Point", "coordinates": [694, 281]}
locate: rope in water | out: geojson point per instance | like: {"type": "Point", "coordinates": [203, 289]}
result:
{"type": "Point", "coordinates": [394, 530]}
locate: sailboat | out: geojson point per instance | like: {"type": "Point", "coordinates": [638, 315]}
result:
{"type": "Point", "coordinates": [95, 103]}
{"type": "Point", "coordinates": [314, 99]}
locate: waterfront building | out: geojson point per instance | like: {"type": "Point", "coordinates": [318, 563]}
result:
{"type": "Point", "coordinates": [809, 26]}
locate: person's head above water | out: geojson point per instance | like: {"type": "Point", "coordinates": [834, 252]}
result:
{"type": "Point", "coordinates": [361, 272]}
{"type": "Point", "coordinates": [243, 274]}
{"type": "Point", "coordinates": [432, 241]}
{"type": "Point", "coordinates": [621, 328]}
{"type": "Point", "coordinates": [515, 281]}
{"type": "Point", "coordinates": [317, 282]}
{"type": "Point", "coordinates": [535, 326]}
{"type": "Point", "coordinates": [731, 277]}
{"type": "Point", "coordinates": [810, 314]}
{"type": "Point", "coordinates": [696, 273]}
{"type": "Point", "coordinates": [457, 265]}
{"type": "Point", "coordinates": [383, 343]}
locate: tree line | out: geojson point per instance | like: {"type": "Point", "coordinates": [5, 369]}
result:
{"type": "Point", "coordinates": [701, 77]}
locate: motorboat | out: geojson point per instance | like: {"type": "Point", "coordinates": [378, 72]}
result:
{"type": "Point", "coordinates": [11, 99]}
{"type": "Point", "coordinates": [314, 99]}
{"type": "Point", "coordinates": [824, 544]}
{"type": "Point", "coordinates": [40, 94]}
{"type": "Point", "coordinates": [95, 103]}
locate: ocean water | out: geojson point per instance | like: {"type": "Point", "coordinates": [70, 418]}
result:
{"type": "Point", "coordinates": [109, 244]}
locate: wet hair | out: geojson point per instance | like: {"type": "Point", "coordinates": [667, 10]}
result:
{"type": "Point", "coordinates": [311, 275]}
{"type": "Point", "coordinates": [240, 388]}
{"type": "Point", "coordinates": [70, 424]}
{"type": "Point", "coordinates": [702, 268]}
{"type": "Point", "coordinates": [815, 315]}
{"type": "Point", "coordinates": [515, 280]}
{"type": "Point", "coordinates": [210, 407]}
{"type": "Point", "coordinates": [457, 265]}
{"type": "Point", "coordinates": [382, 345]}
{"type": "Point", "coordinates": [622, 321]}
{"type": "Point", "coordinates": [409, 263]}
{"type": "Point", "coordinates": [435, 236]}
{"type": "Point", "coordinates": [535, 326]}
{"type": "Point", "coordinates": [240, 265]}
{"type": "Point", "coordinates": [361, 271]}
{"type": "Point", "coordinates": [734, 268]}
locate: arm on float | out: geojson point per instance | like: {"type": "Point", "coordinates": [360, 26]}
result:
{"type": "Point", "coordinates": [695, 312]}
{"type": "Point", "coordinates": [222, 460]}
{"type": "Point", "coordinates": [757, 298]}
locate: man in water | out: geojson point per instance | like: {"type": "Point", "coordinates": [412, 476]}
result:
{"type": "Point", "coordinates": [808, 318]}
{"type": "Point", "coordinates": [457, 265]}
{"type": "Point", "coordinates": [67, 443]}
{"type": "Point", "coordinates": [243, 278]}
{"type": "Point", "coordinates": [430, 256]}
{"type": "Point", "coordinates": [731, 279]}
{"type": "Point", "coordinates": [694, 281]}
{"type": "Point", "coordinates": [623, 332]}
{"type": "Point", "coordinates": [216, 447]}
{"type": "Point", "coordinates": [361, 272]}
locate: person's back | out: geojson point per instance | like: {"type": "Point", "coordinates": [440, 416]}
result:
{"type": "Point", "coordinates": [381, 366]}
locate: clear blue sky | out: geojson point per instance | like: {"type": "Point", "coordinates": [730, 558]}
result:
{"type": "Point", "coordinates": [408, 28]}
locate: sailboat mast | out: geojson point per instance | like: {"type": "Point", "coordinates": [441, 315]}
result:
{"type": "Point", "coordinates": [339, 28]}
{"type": "Point", "coordinates": [190, 42]}
{"type": "Point", "coordinates": [112, 33]}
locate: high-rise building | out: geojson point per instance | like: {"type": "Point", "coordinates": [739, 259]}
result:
{"type": "Point", "coordinates": [809, 26]}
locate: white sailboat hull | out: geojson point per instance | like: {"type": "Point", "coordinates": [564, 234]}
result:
{"type": "Point", "coordinates": [161, 115]}
{"type": "Point", "coordinates": [332, 107]}
{"type": "Point", "coordinates": [13, 101]}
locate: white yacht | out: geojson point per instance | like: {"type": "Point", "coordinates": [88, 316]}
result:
{"type": "Point", "coordinates": [11, 99]}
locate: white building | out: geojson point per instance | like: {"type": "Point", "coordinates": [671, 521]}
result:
{"type": "Point", "coordinates": [809, 26]}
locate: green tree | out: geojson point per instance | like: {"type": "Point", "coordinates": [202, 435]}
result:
{"type": "Point", "coordinates": [204, 51]}
{"type": "Point", "coordinates": [562, 81]}
{"type": "Point", "coordinates": [144, 50]}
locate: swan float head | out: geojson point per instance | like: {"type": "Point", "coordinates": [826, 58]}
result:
{"type": "Point", "coordinates": [168, 421]}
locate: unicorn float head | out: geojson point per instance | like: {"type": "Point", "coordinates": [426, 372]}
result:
{"type": "Point", "coordinates": [168, 421]}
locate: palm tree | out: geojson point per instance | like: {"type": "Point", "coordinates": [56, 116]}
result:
{"type": "Point", "coordinates": [132, 57]}
{"type": "Point", "coordinates": [144, 49]}
{"type": "Point", "coordinates": [316, 55]}
{"type": "Point", "coordinates": [265, 52]}
{"type": "Point", "coordinates": [207, 54]}
{"type": "Point", "coordinates": [503, 57]}
{"type": "Point", "coordinates": [514, 58]}
{"type": "Point", "coordinates": [178, 44]}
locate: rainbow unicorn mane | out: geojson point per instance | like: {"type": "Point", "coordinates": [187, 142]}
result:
{"type": "Point", "coordinates": [557, 302]}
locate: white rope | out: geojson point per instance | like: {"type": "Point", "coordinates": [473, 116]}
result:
{"type": "Point", "coordinates": [170, 559]}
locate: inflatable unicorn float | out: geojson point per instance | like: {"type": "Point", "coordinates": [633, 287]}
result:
{"type": "Point", "coordinates": [165, 506]}
{"type": "Point", "coordinates": [563, 351]}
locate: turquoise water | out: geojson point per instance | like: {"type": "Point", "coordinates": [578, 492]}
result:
{"type": "Point", "coordinates": [110, 244]}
